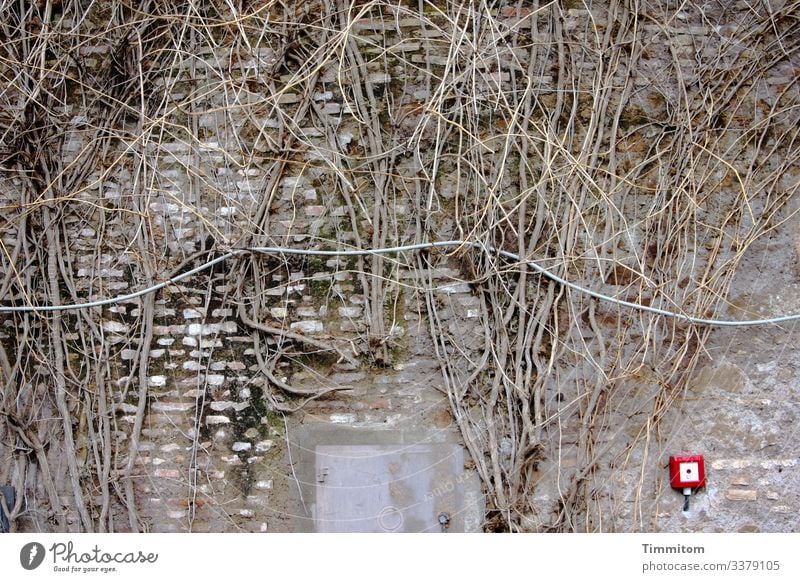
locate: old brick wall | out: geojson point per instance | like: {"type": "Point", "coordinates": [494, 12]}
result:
{"type": "Point", "coordinates": [213, 454]}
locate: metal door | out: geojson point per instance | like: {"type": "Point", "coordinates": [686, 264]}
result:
{"type": "Point", "coordinates": [389, 488]}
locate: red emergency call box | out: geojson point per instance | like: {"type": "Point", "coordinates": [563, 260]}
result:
{"type": "Point", "coordinates": [687, 471]}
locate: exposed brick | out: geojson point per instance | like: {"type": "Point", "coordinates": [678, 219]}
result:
{"type": "Point", "coordinates": [279, 312]}
{"type": "Point", "coordinates": [740, 479]}
{"type": "Point", "coordinates": [314, 211]}
{"type": "Point", "coordinates": [221, 405]}
{"type": "Point", "coordinates": [215, 379]}
{"type": "Point", "coordinates": [263, 446]}
{"type": "Point", "coordinates": [374, 24]}
{"type": "Point", "coordinates": [378, 78]}
{"type": "Point", "coordinates": [167, 473]}
{"type": "Point", "coordinates": [741, 494]}
{"type": "Point", "coordinates": [350, 312]}
{"type": "Point", "coordinates": [309, 326]}
{"type": "Point", "coordinates": [197, 329]}
{"type": "Point", "coordinates": [115, 327]}
{"type": "Point", "coordinates": [307, 312]}
{"type": "Point", "coordinates": [454, 288]}
{"type": "Point", "coordinates": [172, 406]}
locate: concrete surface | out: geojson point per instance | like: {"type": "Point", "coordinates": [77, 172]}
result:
{"type": "Point", "coordinates": [352, 479]}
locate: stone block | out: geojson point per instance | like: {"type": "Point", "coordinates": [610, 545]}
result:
{"type": "Point", "coordinates": [314, 211]}
{"type": "Point", "coordinates": [115, 327]}
{"type": "Point", "coordinates": [378, 78]}
{"type": "Point", "coordinates": [279, 312]}
{"type": "Point", "coordinates": [167, 473]}
{"type": "Point", "coordinates": [452, 288]}
{"type": "Point", "coordinates": [263, 446]}
{"type": "Point", "coordinates": [308, 326]}
{"type": "Point", "coordinates": [228, 405]}
{"type": "Point", "coordinates": [172, 406]}
{"type": "Point", "coordinates": [350, 312]}
{"type": "Point", "coordinates": [741, 494]}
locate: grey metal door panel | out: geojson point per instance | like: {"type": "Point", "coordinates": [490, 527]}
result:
{"type": "Point", "coordinates": [387, 488]}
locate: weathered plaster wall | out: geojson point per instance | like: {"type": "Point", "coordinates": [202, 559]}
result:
{"type": "Point", "coordinates": [213, 457]}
